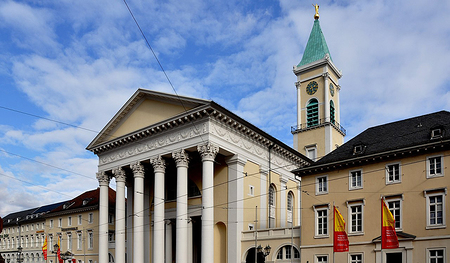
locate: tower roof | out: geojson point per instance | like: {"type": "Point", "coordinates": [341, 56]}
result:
{"type": "Point", "coordinates": [316, 48]}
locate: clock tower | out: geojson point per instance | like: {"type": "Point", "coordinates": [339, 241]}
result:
{"type": "Point", "coordinates": [318, 130]}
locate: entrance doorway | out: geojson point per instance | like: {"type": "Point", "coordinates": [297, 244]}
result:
{"type": "Point", "coordinates": [394, 257]}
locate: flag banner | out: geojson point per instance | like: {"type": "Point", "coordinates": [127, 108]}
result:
{"type": "Point", "coordinates": [388, 235]}
{"type": "Point", "coordinates": [44, 248]}
{"type": "Point", "coordinates": [340, 242]}
{"type": "Point", "coordinates": [59, 249]}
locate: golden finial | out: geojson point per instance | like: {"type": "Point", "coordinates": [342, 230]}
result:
{"type": "Point", "coordinates": [316, 16]}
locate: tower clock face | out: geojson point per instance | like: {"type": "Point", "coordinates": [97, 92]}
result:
{"type": "Point", "coordinates": [331, 89]}
{"type": "Point", "coordinates": [312, 88]}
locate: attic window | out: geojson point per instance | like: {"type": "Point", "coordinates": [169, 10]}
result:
{"type": "Point", "coordinates": [86, 201]}
{"type": "Point", "coordinates": [436, 133]}
{"type": "Point", "coordinates": [68, 204]}
{"type": "Point", "coordinates": [359, 149]}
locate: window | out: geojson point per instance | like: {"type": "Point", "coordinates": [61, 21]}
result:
{"type": "Point", "coordinates": [355, 180]}
{"type": "Point", "coordinates": [69, 241]}
{"type": "Point", "coordinates": [435, 208]}
{"type": "Point", "coordinates": [356, 218]}
{"type": "Point", "coordinates": [59, 222]}
{"type": "Point", "coordinates": [290, 208]}
{"type": "Point", "coordinates": [321, 218]}
{"type": "Point", "coordinates": [272, 203]}
{"type": "Point", "coordinates": [286, 253]}
{"type": "Point", "coordinates": [436, 255]}
{"type": "Point", "coordinates": [312, 113]}
{"type": "Point", "coordinates": [436, 133]}
{"type": "Point", "coordinates": [251, 190]}
{"type": "Point", "coordinates": [311, 152]}
{"type": "Point", "coordinates": [51, 223]}
{"type": "Point", "coordinates": [90, 240]}
{"type": "Point", "coordinates": [322, 259]}
{"type": "Point", "coordinates": [332, 118]}
{"type": "Point", "coordinates": [356, 258]}
{"type": "Point", "coordinates": [79, 241]}
{"type": "Point", "coordinates": [434, 166]}
{"type": "Point", "coordinates": [69, 221]}
{"type": "Point", "coordinates": [80, 219]}
{"type": "Point", "coordinates": [91, 218]}
{"type": "Point", "coordinates": [111, 237]}
{"type": "Point", "coordinates": [321, 185]}
{"type": "Point", "coordinates": [393, 174]}
{"type": "Point", "coordinates": [110, 218]}
{"type": "Point", "coordinates": [50, 241]}
{"type": "Point", "coordinates": [395, 207]}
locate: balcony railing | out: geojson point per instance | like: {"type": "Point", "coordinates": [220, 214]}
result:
{"type": "Point", "coordinates": [321, 122]}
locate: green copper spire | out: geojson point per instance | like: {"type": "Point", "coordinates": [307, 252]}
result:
{"type": "Point", "coordinates": [316, 48]}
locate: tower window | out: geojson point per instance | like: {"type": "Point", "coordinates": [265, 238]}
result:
{"type": "Point", "coordinates": [312, 113]}
{"type": "Point", "coordinates": [332, 118]}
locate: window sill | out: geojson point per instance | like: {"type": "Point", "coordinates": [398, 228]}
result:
{"type": "Point", "coordinates": [431, 176]}
{"type": "Point", "coordinates": [435, 227]}
{"type": "Point", "coordinates": [393, 182]}
{"type": "Point", "coordinates": [321, 193]}
{"type": "Point", "coordinates": [322, 236]}
{"type": "Point", "coordinates": [356, 234]}
{"type": "Point", "coordinates": [355, 188]}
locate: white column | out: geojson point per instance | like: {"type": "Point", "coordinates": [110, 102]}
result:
{"type": "Point", "coordinates": [147, 224]}
{"type": "Point", "coordinates": [283, 210]}
{"type": "Point", "coordinates": [326, 96]}
{"type": "Point", "coordinates": [103, 181]}
{"type": "Point", "coordinates": [138, 222]}
{"type": "Point", "coordinates": [190, 242]}
{"type": "Point", "coordinates": [159, 166]}
{"type": "Point", "coordinates": [299, 204]}
{"type": "Point", "coordinates": [168, 241]}
{"type": "Point", "coordinates": [130, 202]}
{"type": "Point", "coordinates": [181, 159]}
{"type": "Point", "coordinates": [236, 206]}
{"type": "Point", "coordinates": [208, 153]}
{"type": "Point", "coordinates": [263, 215]}
{"type": "Point", "coordinates": [119, 173]}
{"type": "Point", "coordinates": [299, 105]}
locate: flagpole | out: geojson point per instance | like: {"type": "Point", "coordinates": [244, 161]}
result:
{"type": "Point", "coordinates": [381, 232]}
{"type": "Point", "coordinates": [334, 225]}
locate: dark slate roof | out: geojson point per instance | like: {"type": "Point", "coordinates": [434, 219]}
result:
{"type": "Point", "coordinates": [29, 214]}
{"type": "Point", "coordinates": [391, 137]}
{"type": "Point", "coordinates": [86, 200]}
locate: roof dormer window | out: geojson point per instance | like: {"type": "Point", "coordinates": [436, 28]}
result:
{"type": "Point", "coordinates": [359, 149]}
{"type": "Point", "coordinates": [68, 204]}
{"type": "Point", "coordinates": [86, 201]}
{"type": "Point", "coordinates": [436, 133]}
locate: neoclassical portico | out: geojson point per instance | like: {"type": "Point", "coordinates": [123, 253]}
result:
{"type": "Point", "coordinates": [186, 172]}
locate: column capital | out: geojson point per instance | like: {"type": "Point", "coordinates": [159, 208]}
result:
{"type": "Point", "coordinates": [119, 174]}
{"type": "Point", "coordinates": [208, 151]}
{"type": "Point", "coordinates": [103, 178]}
{"type": "Point", "coordinates": [158, 163]}
{"type": "Point", "coordinates": [297, 84]}
{"type": "Point", "coordinates": [181, 158]}
{"type": "Point", "coordinates": [326, 74]}
{"type": "Point", "coordinates": [138, 169]}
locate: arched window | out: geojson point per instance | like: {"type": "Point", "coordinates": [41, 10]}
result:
{"type": "Point", "coordinates": [272, 203]}
{"type": "Point", "coordinates": [332, 118]}
{"type": "Point", "coordinates": [312, 112]}
{"type": "Point", "coordinates": [290, 209]}
{"type": "Point", "coordinates": [286, 252]}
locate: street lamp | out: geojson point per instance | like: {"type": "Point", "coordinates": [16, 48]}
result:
{"type": "Point", "coordinates": [19, 254]}
{"type": "Point", "coordinates": [263, 253]}
{"type": "Point", "coordinates": [55, 251]}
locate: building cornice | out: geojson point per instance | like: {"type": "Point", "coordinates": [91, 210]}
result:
{"type": "Point", "coordinates": [374, 158]}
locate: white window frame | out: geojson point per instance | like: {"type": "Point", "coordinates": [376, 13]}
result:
{"type": "Point", "coordinates": [399, 173]}
{"type": "Point", "coordinates": [355, 254]}
{"type": "Point", "coordinates": [434, 249]}
{"type": "Point", "coordinates": [317, 209]}
{"type": "Point", "coordinates": [51, 223]}
{"type": "Point", "coordinates": [91, 218]}
{"type": "Point", "coordinates": [60, 222]}
{"type": "Point", "coordinates": [311, 149]}
{"type": "Point", "coordinates": [69, 241]}
{"type": "Point", "coordinates": [319, 183]}
{"type": "Point", "coordinates": [90, 240]}
{"type": "Point", "coordinates": [429, 175]}
{"type": "Point", "coordinates": [251, 190]}
{"type": "Point", "coordinates": [428, 194]}
{"type": "Point", "coordinates": [395, 199]}
{"type": "Point", "coordinates": [69, 221]}
{"type": "Point", "coordinates": [350, 179]}
{"type": "Point", "coordinates": [80, 219]}
{"type": "Point", "coordinates": [316, 258]}
{"type": "Point", "coordinates": [290, 208]}
{"type": "Point", "coordinates": [79, 240]}
{"type": "Point", "coordinates": [350, 204]}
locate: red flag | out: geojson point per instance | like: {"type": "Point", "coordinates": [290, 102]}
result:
{"type": "Point", "coordinates": [59, 250]}
{"type": "Point", "coordinates": [340, 243]}
{"type": "Point", "coordinates": [388, 235]}
{"type": "Point", "coordinates": [44, 248]}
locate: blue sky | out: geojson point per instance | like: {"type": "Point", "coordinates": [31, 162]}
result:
{"type": "Point", "coordinates": [77, 62]}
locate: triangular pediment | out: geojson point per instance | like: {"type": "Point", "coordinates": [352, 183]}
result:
{"type": "Point", "coordinates": [143, 109]}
